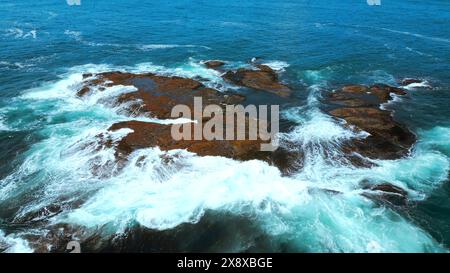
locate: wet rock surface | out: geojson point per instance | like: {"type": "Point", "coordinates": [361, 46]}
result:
{"type": "Point", "coordinates": [263, 78]}
{"type": "Point", "coordinates": [359, 106]}
{"type": "Point", "coordinates": [408, 81]}
{"type": "Point", "coordinates": [386, 193]}
{"type": "Point", "coordinates": [156, 95]}
{"type": "Point", "coordinates": [214, 64]}
{"type": "Point", "coordinates": [147, 134]}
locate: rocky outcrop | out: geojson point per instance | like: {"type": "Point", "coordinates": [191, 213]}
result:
{"type": "Point", "coordinates": [263, 78]}
{"type": "Point", "coordinates": [386, 193]}
{"type": "Point", "coordinates": [359, 106]}
{"type": "Point", "coordinates": [156, 95]}
{"type": "Point", "coordinates": [408, 81]}
{"type": "Point", "coordinates": [415, 83]}
{"type": "Point", "coordinates": [214, 64]}
{"type": "Point", "coordinates": [147, 134]}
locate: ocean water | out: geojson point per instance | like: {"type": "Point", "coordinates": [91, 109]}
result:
{"type": "Point", "coordinates": [214, 203]}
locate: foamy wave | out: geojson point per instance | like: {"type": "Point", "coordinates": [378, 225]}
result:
{"type": "Point", "coordinates": [74, 34]}
{"type": "Point", "coordinates": [407, 33]}
{"type": "Point", "coordinates": [52, 15]}
{"type": "Point", "coordinates": [233, 24]}
{"type": "Point", "coordinates": [319, 127]}
{"type": "Point", "coordinates": [393, 100]}
{"type": "Point", "coordinates": [277, 65]}
{"type": "Point", "coordinates": [379, 76]}
{"type": "Point", "coordinates": [191, 69]}
{"type": "Point", "coordinates": [77, 35]}
{"type": "Point", "coordinates": [158, 193]}
{"type": "Point", "coordinates": [319, 76]}
{"type": "Point", "coordinates": [21, 34]}
{"type": "Point", "coordinates": [435, 39]}
{"type": "Point", "coordinates": [3, 126]}
{"type": "Point", "coordinates": [27, 65]}
{"type": "Point", "coordinates": [9, 65]}
{"type": "Point", "coordinates": [417, 85]}
{"type": "Point", "coordinates": [418, 52]}
{"type": "Point", "coordinates": [13, 244]}
{"type": "Point", "coordinates": [168, 46]}
{"type": "Point", "coordinates": [314, 125]}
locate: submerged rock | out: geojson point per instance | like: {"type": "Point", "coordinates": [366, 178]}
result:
{"type": "Point", "coordinates": [408, 81]}
{"type": "Point", "coordinates": [265, 79]}
{"type": "Point", "coordinates": [214, 64]}
{"type": "Point", "coordinates": [386, 193]}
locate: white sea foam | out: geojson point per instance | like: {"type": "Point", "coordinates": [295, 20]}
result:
{"type": "Point", "coordinates": [13, 244]}
{"type": "Point", "coordinates": [435, 39]}
{"type": "Point", "coordinates": [277, 65]}
{"type": "Point", "coordinates": [318, 76]}
{"type": "Point", "coordinates": [74, 34]}
{"type": "Point", "coordinates": [52, 15]}
{"type": "Point", "coordinates": [78, 36]}
{"type": "Point", "coordinates": [15, 65]}
{"type": "Point", "coordinates": [418, 52]}
{"type": "Point", "coordinates": [407, 33]}
{"type": "Point", "coordinates": [233, 24]}
{"type": "Point", "coordinates": [315, 126]}
{"type": "Point", "coordinates": [31, 64]}
{"type": "Point", "coordinates": [31, 33]}
{"type": "Point", "coordinates": [162, 198]}
{"type": "Point", "coordinates": [417, 85]}
{"type": "Point", "coordinates": [168, 46]}
{"type": "Point", "coordinates": [3, 126]}
{"type": "Point", "coordinates": [319, 137]}
{"type": "Point", "coordinates": [191, 69]}
{"type": "Point", "coordinates": [380, 76]}
{"type": "Point", "coordinates": [19, 33]}
{"type": "Point", "coordinates": [393, 100]}
{"type": "Point", "coordinates": [16, 32]}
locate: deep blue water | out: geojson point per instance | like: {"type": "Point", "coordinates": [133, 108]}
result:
{"type": "Point", "coordinates": [46, 45]}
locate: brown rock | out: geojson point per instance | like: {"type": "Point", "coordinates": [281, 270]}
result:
{"type": "Point", "coordinates": [157, 135]}
{"type": "Point", "coordinates": [387, 139]}
{"type": "Point", "coordinates": [355, 89]}
{"type": "Point", "coordinates": [214, 64]}
{"type": "Point", "coordinates": [408, 81]}
{"type": "Point", "coordinates": [264, 79]}
{"type": "Point", "coordinates": [375, 94]}
{"type": "Point", "coordinates": [157, 95]}
{"type": "Point", "coordinates": [383, 92]}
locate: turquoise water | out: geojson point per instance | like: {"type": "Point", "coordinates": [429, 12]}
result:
{"type": "Point", "coordinates": [46, 131]}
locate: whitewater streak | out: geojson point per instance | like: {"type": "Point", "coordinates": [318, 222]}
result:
{"type": "Point", "coordinates": [66, 167]}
